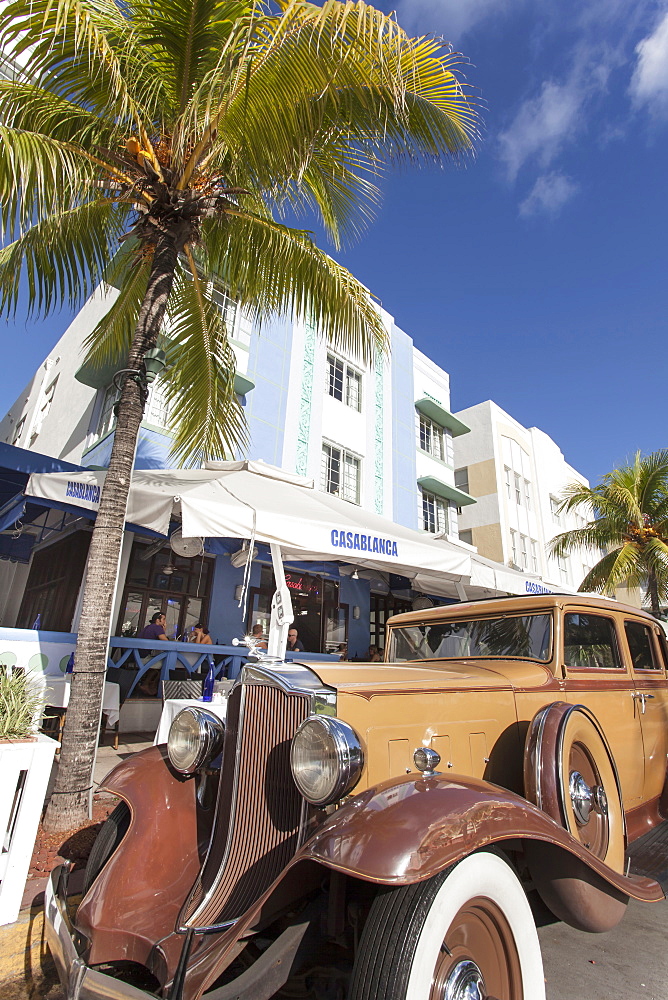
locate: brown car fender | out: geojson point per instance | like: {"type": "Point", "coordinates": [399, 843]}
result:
{"type": "Point", "coordinates": [410, 829]}
{"type": "Point", "coordinates": [135, 900]}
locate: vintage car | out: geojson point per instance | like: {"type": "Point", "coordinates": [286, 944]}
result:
{"type": "Point", "coordinates": [380, 831]}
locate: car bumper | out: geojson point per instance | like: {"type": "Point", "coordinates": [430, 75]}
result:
{"type": "Point", "coordinates": [79, 981]}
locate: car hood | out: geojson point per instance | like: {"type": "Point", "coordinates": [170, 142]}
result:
{"type": "Point", "coordinates": [435, 675]}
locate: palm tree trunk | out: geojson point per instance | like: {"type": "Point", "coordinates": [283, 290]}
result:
{"type": "Point", "coordinates": [653, 588]}
{"type": "Point", "coordinates": [68, 806]}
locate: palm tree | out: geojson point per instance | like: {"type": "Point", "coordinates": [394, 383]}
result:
{"type": "Point", "coordinates": [155, 144]}
{"type": "Point", "coordinates": [629, 510]}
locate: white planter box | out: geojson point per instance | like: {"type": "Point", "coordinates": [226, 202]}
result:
{"type": "Point", "coordinates": [24, 775]}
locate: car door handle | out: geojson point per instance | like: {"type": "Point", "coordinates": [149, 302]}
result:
{"type": "Point", "coordinates": [642, 698]}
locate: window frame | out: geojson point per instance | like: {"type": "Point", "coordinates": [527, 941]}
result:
{"type": "Point", "coordinates": [440, 505]}
{"type": "Point", "coordinates": [345, 454]}
{"type": "Point", "coordinates": [657, 657]}
{"type": "Point", "coordinates": [349, 376]}
{"type": "Point", "coordinates": [621, 667]}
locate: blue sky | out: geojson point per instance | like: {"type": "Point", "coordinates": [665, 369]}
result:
{"type": "Point", "coordinates": [535, 274]}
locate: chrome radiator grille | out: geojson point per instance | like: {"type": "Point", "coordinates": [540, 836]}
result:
{"type": "Point", "coordinates": [259, 809]}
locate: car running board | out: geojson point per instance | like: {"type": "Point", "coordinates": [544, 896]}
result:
{"type": "Point", "coordinates": [648, 855]}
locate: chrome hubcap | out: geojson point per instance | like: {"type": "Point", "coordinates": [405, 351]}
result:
{"type": "Point", "coordinates": [584, 798]}
{"type": "Point", "coordinates": [465, 982]}
{"type": "Point", "coordinates": [581, 797]}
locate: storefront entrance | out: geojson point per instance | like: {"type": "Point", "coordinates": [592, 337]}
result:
{"type": "Point", "coordinates": [176, 586]}
{"type": "Point", "coordinates": [322, 623]}
{"type": "Point", "coordinates": [383, 606]}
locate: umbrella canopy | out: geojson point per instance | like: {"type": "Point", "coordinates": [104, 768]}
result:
{"type": "Point", "coordinates": [245, 499]}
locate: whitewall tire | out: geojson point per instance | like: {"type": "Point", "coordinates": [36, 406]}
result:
{"type": "Point", "coordinates": [466, 934]}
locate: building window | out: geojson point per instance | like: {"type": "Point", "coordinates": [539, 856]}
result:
{"type": "Point", "coordinates": [18, 431]}
{"type": "Point", "coordinates": [534, 556]}
{"type": "Point", "coordinates": [509, 483]}
{"type": "Point", "coordinates": [524, 554]}
{"type": "Point", "coordinates": [466, 536]}
{"type": "Point", "coordinates": [227, 305]}
{"type": "Point", "coordinates": [518, 489]}
{"type": "Point", "coordinates": [156, 410]}
{"type": "Point", "coordinates": [563, 569]}
{"type": "Point", "coordinates": [527, 494]}
{"type": "Point", "coordinates": [107, 416]}
{"type": "Point", "coordinates": [434, 513]}
{"type": "Point", "coordinates": [43, 412]}
{"type": "Point", "coordinates": [344, 382]}
{"type": "Point", "coordinates": [431, 438]}
{"type": "Point", "coordinates": [462, 479]}
{"type": "Point", "coordinates": [340, 473]}
{"type": "Point", "coordinates": [554, 507]}
{"type": "Point", "coordinates": [513, 547]}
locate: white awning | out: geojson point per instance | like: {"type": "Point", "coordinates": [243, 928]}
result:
{"type": "Point", "coordinates": [242, 499]}
{"type": "Point", "coordinates": [237, 499]}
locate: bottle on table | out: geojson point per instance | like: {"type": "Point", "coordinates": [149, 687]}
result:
{"type": "Point", "coordinates": [207, 691]}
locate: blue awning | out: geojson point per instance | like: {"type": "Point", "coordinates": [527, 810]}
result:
{"type": "Point", "coordinates": [16, 466]}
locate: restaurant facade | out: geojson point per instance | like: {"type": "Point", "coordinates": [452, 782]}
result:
{"type": "Point", "coordinates": [377, 441]}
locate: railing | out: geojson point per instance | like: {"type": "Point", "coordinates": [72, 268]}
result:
{"type": "Point", "coordinates": [49, 652]}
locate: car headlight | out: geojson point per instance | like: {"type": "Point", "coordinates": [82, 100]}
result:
{"type": "Point", "coordinates": [195, 737]}
{"type": "Point", "coordinates": [326, 759]}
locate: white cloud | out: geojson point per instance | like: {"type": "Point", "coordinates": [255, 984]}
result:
{"type": "Point", "coordinates": [549, 194]}
{"type": "Point", "coordinates": [649, 84]}
{"type": "Point", "coordinates": [541, 126]}
{"type": "Point", "coordinates": [451, 18]}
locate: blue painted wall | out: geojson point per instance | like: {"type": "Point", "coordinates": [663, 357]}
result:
{"type": "Point", "coordinates": [152, 451]}
{"type": "Point", "coordinates": [269, 367]}
{"type": "Point", "coordinates": [404, 488]}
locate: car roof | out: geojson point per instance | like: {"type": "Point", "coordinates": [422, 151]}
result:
{"type": "Point", "coordinates": [530, 603]}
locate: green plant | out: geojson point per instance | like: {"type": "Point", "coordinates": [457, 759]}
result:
{"type": "Point", "coordinates": [19, 705]}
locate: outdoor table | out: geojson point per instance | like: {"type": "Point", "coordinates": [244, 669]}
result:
{"type": "Point", "coordinates": [57, 693]}
{"type": "Point", "coordinates": [173, 706]}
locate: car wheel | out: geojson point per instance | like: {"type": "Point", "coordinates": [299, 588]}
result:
{"type": "Point", "coordinates": [569, 774]}
{"type": "Point", "coordinates": [112, 832]}
{"type": "Point", "coordinates": [466, 934]}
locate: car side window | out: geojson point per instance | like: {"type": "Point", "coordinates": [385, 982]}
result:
{"type": "Point", "coordinates": [639, 638]}
{"type": "Point", "coordinates": [590, 642]}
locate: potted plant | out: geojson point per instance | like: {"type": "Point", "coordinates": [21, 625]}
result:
{"type": "Point", "coordinates": [26, 757]}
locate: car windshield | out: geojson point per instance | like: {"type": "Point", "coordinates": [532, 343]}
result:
{"type": "Point", "coordinates": [527, 636]}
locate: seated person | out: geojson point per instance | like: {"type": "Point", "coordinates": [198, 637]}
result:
{"type": "Point", "coordinates": [148, 685]}
{"type": "Point", "coordinates": [294, 644]}
{"type": "Point", "coordinates": [201, 634]}
{"type": "Point", "coordinates": [257, 634]}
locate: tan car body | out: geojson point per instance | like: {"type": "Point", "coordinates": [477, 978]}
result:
{"type": "Point", "coordinates": [486, 719]}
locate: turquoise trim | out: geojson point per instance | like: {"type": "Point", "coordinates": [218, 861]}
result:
{"type": "Point", "coordinates": [243, 384]}
{"type": "Point", "coordinates": [441, 416]}
{"type": "Point", "coordinates": [379, 439]}
{"type": "Point", "coordinates": [304, 427]}
{"type": "Point", "coordinates": [97, 377]}
{"type": "Point", "coordinates": [445, 490]}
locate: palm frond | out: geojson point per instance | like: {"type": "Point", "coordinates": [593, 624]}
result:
{"type": "Point", "coordinates": [72, 47]}
{"type": "Point", "coordinates": [595, 535]}
{"type": "Point", "coordinates": [273, 270]}
{"type": "Point", "coordinates": [27, 107]}
{"type": "Point", "coordinates": [111, 339]}
{"type": "Point", "coordinates": [316, 69]}
{"type": "Point", "coordinates": [206, 416]}
{"type": "Point", "coordinates": [39, 176]}
{"type": "Point", "coordinates": [620, 567]}
{"type": "Point", "coordinates": [62, 257]}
